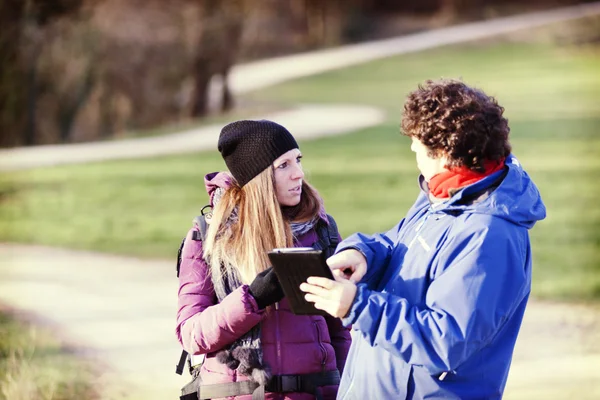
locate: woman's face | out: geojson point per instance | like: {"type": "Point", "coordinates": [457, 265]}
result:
{"type": "Point", "coordinates": [428, 166]}
{"type": "Point", "coordinates": [288, 178]}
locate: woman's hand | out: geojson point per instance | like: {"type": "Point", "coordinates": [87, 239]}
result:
{"type": "Point", "coordinates": [265, 288]}
{"type": "Point", "coordinates": [334, 297]}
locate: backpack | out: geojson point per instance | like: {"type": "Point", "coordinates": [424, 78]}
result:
{"type": "Point", "coordinates": [327, 242]}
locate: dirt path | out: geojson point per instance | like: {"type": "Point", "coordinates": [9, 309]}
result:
{"type": "Point", "coordinates": [557, 354]}
{"type": "Point", "coordinates": [120, 311]}
{"type": "Point", "coordinates": [305, 122]}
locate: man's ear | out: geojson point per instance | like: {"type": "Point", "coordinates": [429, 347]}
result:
{"type": "Point", "coordinates": [443, 158]}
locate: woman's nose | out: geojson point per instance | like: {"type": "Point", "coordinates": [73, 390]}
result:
{"type": "Point", "coordinates": [298, 172]}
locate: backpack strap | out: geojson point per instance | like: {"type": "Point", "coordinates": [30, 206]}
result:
{"type": "Point", "coordinates": [304, 383]}
{"type": "Point", "coordinates": [182, 359]}
{"type": "Point", "coordinates": [179, 257]}
{"type": "Point", "coordinates": [328, 236]}
{"type": "Point", "coordinates": [199, 235]}
{"type": "Point", "coordinates": [334, 235]}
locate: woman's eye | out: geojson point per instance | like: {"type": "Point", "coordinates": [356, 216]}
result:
{"type": "Point", "coordinates": [282, 166]}
{"type": "Point", "coordinates": [299, 159]}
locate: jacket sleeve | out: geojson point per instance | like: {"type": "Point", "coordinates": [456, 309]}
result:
{"type": "Point", "coordinates": [340, 336]}
{"type": "Point", "coordinates": [484, 276]}
{"type": "Point", "coordinates": [340, 340]}
{"type": "Point", "coordinates": [203, 325]}
{"type": "Point", "coordinates": [377, 250]}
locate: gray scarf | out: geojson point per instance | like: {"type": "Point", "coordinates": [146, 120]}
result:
{"type": "Point", "coordinates": [245, 354]}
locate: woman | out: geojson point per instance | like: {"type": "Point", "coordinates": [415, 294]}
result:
{"type": "Point", "coordinates": [231, 306]}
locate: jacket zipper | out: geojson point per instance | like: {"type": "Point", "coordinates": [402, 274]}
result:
{"type": "Point", "coordinates": [419, 227]}
{"type": "Point", "coordinates": [277, 338]}
{"type": "Point", "coordinates": [351, 379]}
{"type": "Point", "coordinates": [323, 350]}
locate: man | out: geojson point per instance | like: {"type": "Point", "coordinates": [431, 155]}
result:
{"type": "Point", "coordinates": [440, 297]}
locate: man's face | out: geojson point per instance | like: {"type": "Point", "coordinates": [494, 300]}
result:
{"type": "Point", "coordinates": [428, 166]}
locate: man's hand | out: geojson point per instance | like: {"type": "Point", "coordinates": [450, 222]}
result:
{"type": "Point", "coordinates": [334, 297]}
{"type": "Point", "coordinates": [348, 264]}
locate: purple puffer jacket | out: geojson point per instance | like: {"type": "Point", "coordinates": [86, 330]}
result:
{"type": "Point", "coordinates": [292, 344]}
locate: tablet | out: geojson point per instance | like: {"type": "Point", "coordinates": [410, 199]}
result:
{"type": "Point", "coordinates": [292, 267]}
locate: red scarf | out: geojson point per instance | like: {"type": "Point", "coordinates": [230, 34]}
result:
{"type": "Point", "coordinates": [445, 184]}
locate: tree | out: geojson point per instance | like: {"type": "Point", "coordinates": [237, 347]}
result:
{"type": "Point", "coordinates": [17, 77]}
{"type": "Point", "coordinates": [12, 99]}
{"type": "Point", "coordinates": [217, 50]}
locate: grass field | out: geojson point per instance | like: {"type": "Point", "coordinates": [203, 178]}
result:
{"type": "Point", "coordinates": [29, 360]}
{"type": "Point", "coordinates": [367, 178]}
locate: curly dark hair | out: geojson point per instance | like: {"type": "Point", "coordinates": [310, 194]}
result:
{"type": "Point", "coordinates": [460, 122]}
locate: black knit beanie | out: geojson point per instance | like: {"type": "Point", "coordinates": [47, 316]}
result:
{"type": "Point", "coordinates": [250, 147]}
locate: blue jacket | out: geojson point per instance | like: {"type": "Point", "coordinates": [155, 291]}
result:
{"type": "Point", "coordinates": [438, 312]}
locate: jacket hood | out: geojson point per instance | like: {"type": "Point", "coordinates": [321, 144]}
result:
{"type": "Point", "coordinates": [214, 181]}
{"type": "Point", "coordinates": [516, 198]}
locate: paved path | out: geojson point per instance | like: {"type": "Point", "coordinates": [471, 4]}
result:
{"type": "Point", "coordinates": [305, 122]}
{"type": "Point", "coordinates": [260, 74]}
{"type": "Point", "coordinates": [118, 311]}
{"type": "Point", "coordinates": [557, 354]}
{"type": "Point", "coordinates": [307, 119]}
{"type": "Point", "coordinates": [121, 311]}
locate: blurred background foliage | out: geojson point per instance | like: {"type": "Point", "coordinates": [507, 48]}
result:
{"type": "Point", "coordinates": [81, 70]}
{"type": "Point", "coordinates": [546, 78]}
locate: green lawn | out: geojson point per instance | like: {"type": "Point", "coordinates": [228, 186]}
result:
{"type": "Point", "coordinates": [368, 178]}
{"type": "Point", "coordinates": [34, 365]}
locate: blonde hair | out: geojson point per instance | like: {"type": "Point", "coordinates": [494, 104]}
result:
{"type": "Point", "coordinates": [238, 248]}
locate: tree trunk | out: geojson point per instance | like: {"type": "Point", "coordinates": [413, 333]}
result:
{"type": "Point", "coordinates": [202, 75]}
{"type": "Point", "coordinates": [32, 95]}
{"type": "Point", "coordinates": [227, 101]}
{"type": "Point", "coordinates": [12, 78]}
{"type": "Point", "coordinates": [216, 52]}
{"type": "Point", "coordinates": [68, 109]}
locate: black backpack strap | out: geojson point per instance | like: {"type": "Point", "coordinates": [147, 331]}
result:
{"type": "Point", "coordinates": [179, 257]}
{"type": "Point", "coordinates": [307, 383]}
{"type": "Point", "coordinates": [328, 236]}
{"type": "Point", "coordinates": [181, 363]}
{"type": "Point", "coordinates": [332, 229]}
